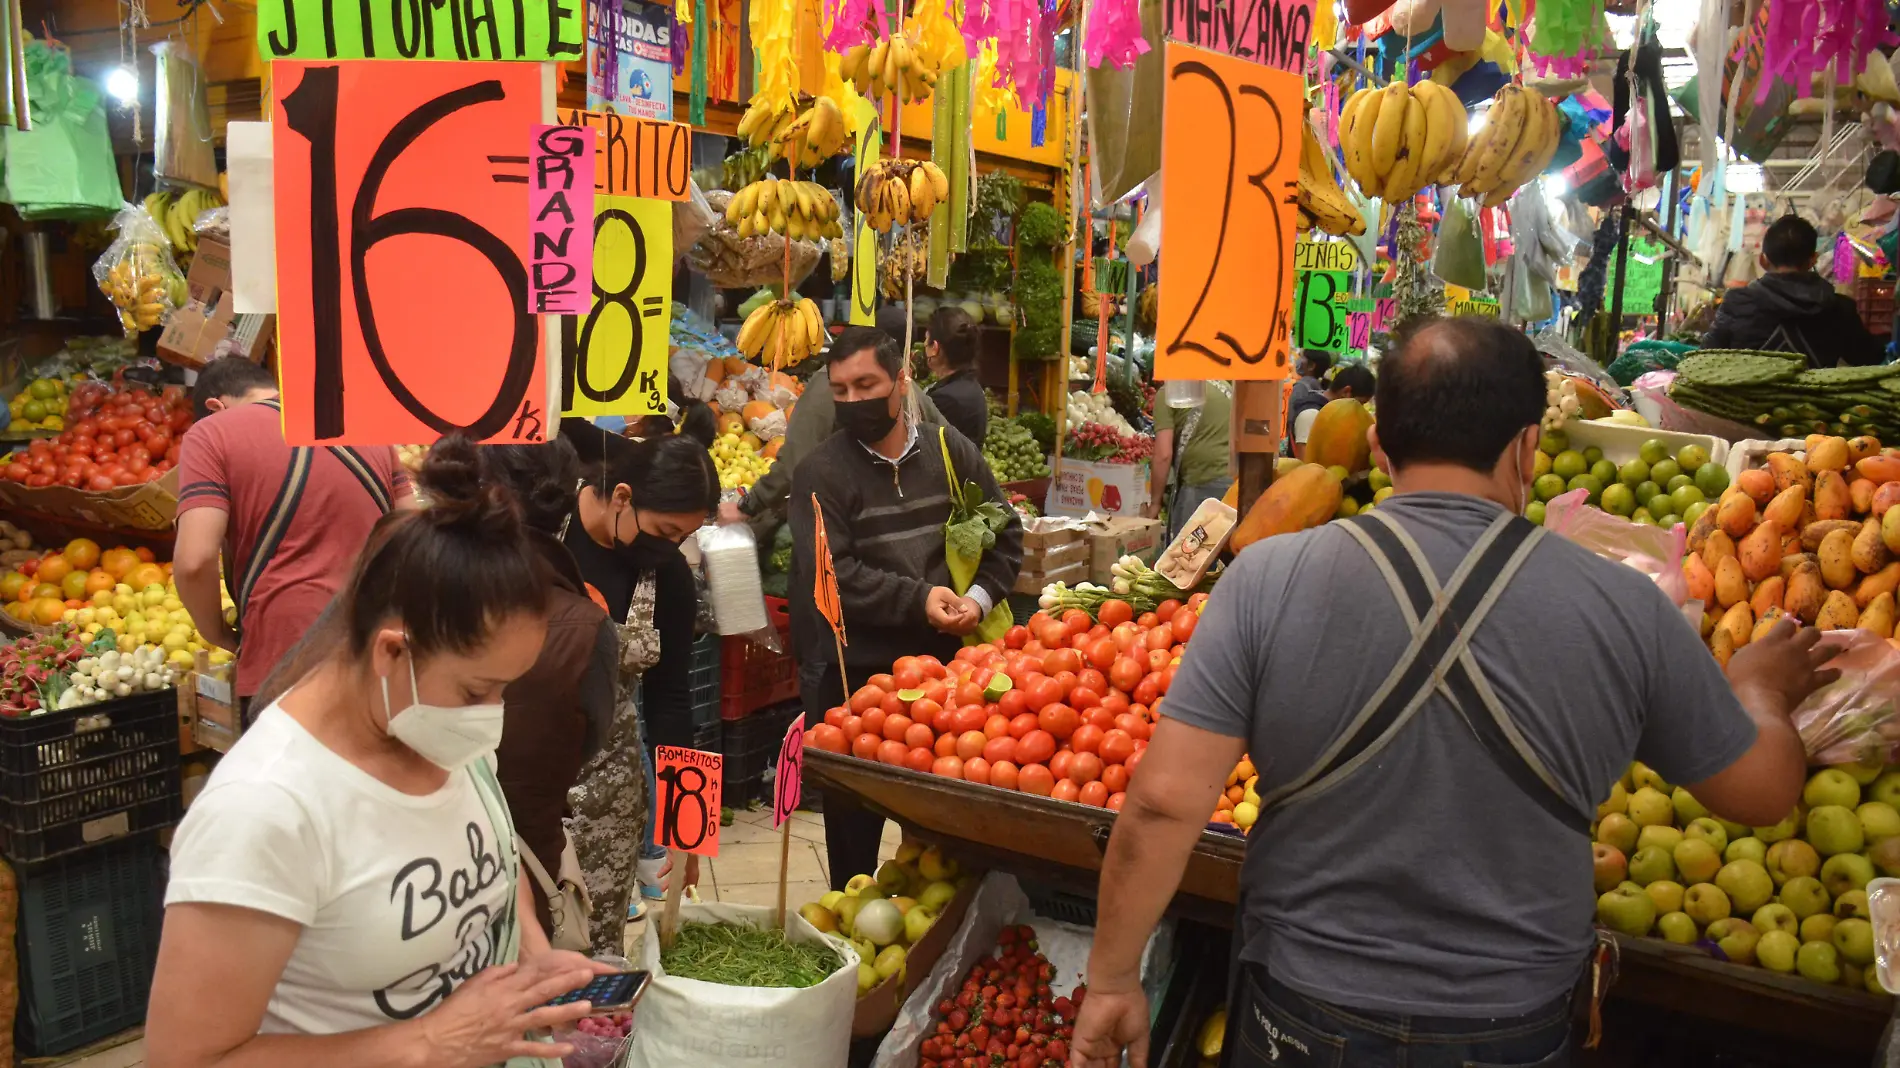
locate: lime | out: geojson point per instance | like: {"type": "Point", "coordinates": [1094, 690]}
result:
{"type": "Point", "coordinates": [1534, 512]}
{"type": "Point", "coordinates": [1379, 495]}
{"type": "Point", "coordinates": [1568, 464]}
{"type": "Point", "coordinates": [1379, 480]}
{"type": "Point", "coordinates": [1641, 515]}
{"type": "Point", "coordinates": [1553, 442]}
{"type": "Point", "coordinates": [1658, 503]}
{"type": "Point", "coordinates": [1653, 452]}
{"type": "Point", "coordinates": [1347, 508]}
{"type": "Point", "coordinates": [43, 389]}
{"type": "Point", "coordinates": [1588, 482]}
{"type": "Point", "coordinates": [1632, 474]}
{"type": "Point", "coordinates": [1711, 479]}
{"type": "Point", "coordinates": [1677, 483]}
{"type": "Point", "coordinates": [1591, 455]}
{"type": "Point", "coordinates": [1664, 470]}
{"type": "Point", "coordinates": [1618, 499]}
{"type": "Point", "coordinates": [1339, 472]}
{"type": "Point", "coordinates": [33, 411]}
{"type": "Point", "coordinates": [1541, 465]}
{"type": "Point", "coordinates": [1547, 486]}
{"type": "Point", "coordinates": [1647, 489]}
{"type": "Point", "coordinates": [1604, 470]}
{"type": "Point", "coordinates": [1668, 521]}
{"type": "Point", "coordinates": [1694, 512]}
{"type": "Point", "coordinates": [1692, 457]}
{"type": "Point", "coordinates": [1684, 497]}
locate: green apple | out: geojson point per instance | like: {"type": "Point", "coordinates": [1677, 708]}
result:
{"type": "Point", "coordinates": [1819, 927]}
{"type": "Point", "coordinates": [1736, 938]}
{"type": "Point", "coordinates": [1618, 830]}
{"type": "Point", "coordinates": [1746, 883]}
{"type": "Point", "coordinates": [1776, 950]}
{"type": "Point", "coordinates": [1886, 789]}
{"type": "Point", "coordinates": [1785, 829]}
{"type": "Point", "coordinates": [1846, 871]}
{"type": "Point", "coordinates": [1688, 809]}
{"type": "Point", "coordinates": [1696, 860]}
{"type": "Point", "coordinates": [1775, 917]}
{"type": "Point", "coordinates": [1642, 775]}
{"type": "Point", "coordinates": [1735, 830]}
{"type": "Point", "coordinates": [1618, 801]}
{"type": "Point", "coordinates": [1805, 896]}
{"type": "Point", "coordinates": [1852, 905]}
{"type": "Point", "coordinates": [1707, 830]}
{"type": "Point", "coordinates": [1705, 903]}
{"type": "Point", "coordinates": [1627, 909]}
{"type": "Point", "coordinates": [1855, 940]}
{"type": "Point", "coordinates": [1746, 849]}
{"type": "Point", "coordinates": [1649, 806]}
{"type": "Point", "coordinates": [1609, 866]}
{"type": "Point", "coordinates": [1879, 821]}
{"type": "Point", "coordinates": [1677, 927]}
{"type": "Point", "coordinates": [1819, 961]}
{"type": "Point", "coordinates": [1660, 836]}
{"type": "Point", "coordinates": [1667, 895]}
{"type": "Point", "coordinates": [1650, 865]}
{"type": "Point", "coordinates": [1864, 774]}
{"type": "Point", "coordinates": [1835, 829]}
{"type": "Point", "coordinates": [1791, 858]}
{"type": "Point", "coordinates": [1831, 786]}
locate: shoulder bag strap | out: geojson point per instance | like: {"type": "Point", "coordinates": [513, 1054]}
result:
{"type": "Point", "coordinates": [949, 468]}
{"type": "Point", "coordinates": [276, 524]}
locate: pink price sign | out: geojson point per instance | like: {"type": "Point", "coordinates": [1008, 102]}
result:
{"type": "Point", "coordinates": [790, 774]}
{"type": "Point", "coordinates": [561, 220]}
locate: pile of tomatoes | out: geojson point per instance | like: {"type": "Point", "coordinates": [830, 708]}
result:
{"type": "Point", "coordinates": [1005, 1014]}
{"type": "Point", "coordinates": [1078, 700]}
{"type": "Point", "coordinates": [113, 438]}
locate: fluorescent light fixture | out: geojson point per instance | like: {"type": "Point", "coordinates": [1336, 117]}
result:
{"type": "Point", "coordinates": [122, 85]}
{"type": "Point", "coordinates": [1674, 23]}
{"type": "Point", "coordinates": [1677, 72]}
{"type": "Point", "coordinates": [1744, 178]}
{"type": "Point", "coordinates": [1622, 29]}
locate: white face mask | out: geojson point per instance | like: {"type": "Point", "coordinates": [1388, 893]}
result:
{"type": "Point", "coordinates": [449, 737]}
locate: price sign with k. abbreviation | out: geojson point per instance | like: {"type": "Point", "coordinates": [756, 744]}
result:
{"type": "Point", "coordinates": [790, 774]}
{"type": "Point", "coordinates": [690, 786]}
{"type": "Point", "coordinates": [1319, 311]}
{"type": "Point", "coordinates": [402, 251]}
{"type": "Point", "coordinates": [614, 357]}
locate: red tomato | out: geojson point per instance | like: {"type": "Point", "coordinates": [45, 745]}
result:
{"type": "Point", "coordinates": [1036, 747]}
{"type": "Point", "coordinates": [1126, 635]}
{"type": "Point", "coordinates": [867, 698]}
{"type": "Point", "coordinates": [1167, 677]}
{"type": "Point", "coordinates": [1155, 660]}
{"type": "Point", "coordinates": [1115, 777]}
{"type": "Point", "coordinates": [925, 711]}
{"type": "Point", "coordinates": [1003, 775]}
{"type": "Point", "coordinates": [1059, 720]}
{"type": "Point", "coordinates": [124, 436]}
{"type": "Point", "coordinates": [977, 770]}
{"type": "Point", "coordinates": [158, 441]}
{"type": "Point", "coordinates": [1115, 611]}
{"type": "Point", "coordinates": [1196, 600]}
{"type": "Point", "coordinates": [1060, 660]}
{"type": "Point", "coordinates": [1086, 739]}
{"type": "Point", "coordinates": [1167, 608]}
{"type": "Point", "coordinates": [881, 681]}
{"type": "Point", "coordinates": [1133, 762]}
{"type": "Point", "coordinates": [1184, 623]}
{"type": "Point", "coordinates": [932, 666]}
{"type": "Point", "coordinates": [996, 727]}
{"type": "Point", "coordinates": [828, 737]}
{"type": "Point", "coordinates": [1128, 722]}
{"type": "Point", "coordinates": [918, 736]}
{"type": "Point", "coordinates": [1042, 693]}
{"type": "Point", "coordinates": [982, 674]}
{"type": "Point", "coordinates": [1036, 779]}
{"type": "Point", "coordinates": [1116, 702]}
{"type": "Point", "coordinates": [835, 715]}
{"type": "Point", "coordinates": [1016, 637]}
{"type": "Point", "coordinates": [910, 678]}
{"type": "Point", "coordinates": [1124, 673]}
{"type": "Point", "coordinates": [874, 721]}
{"type": "Point", "coordinates": [1093, 793]}
{"type": "Point", "coordinates": [896, 726]}
{"type": "Point", "coordinates": [1076, 621]}
{"type": "Point", "coordinates": [1083, 697]}
{"type": "Point", "coordinates": [971, 743]}
{"type": "Point", "coordinates": [171, 454]}
{"type": "Point", "coordinates": [964, 718]}
{"type": "Point", "coordinates": [946, 746]}
{"type": "Point", "coordinates": [865, 746]}
{"type": "Point", "coordinates": [893, 753]}
{"type": "Point", "coordinates": [947, 766]}
{"type": "Point", "coordinates": [1059, 764]}
{"type": "Point", "coordinates": [893, 705]}
{"type": "Point", "coordinates": [1065, 790]}
{"type": "Point", "coordinates": [1117, 746]}
{"type": "Point", "coordinates": [969, 693]}
{"type": "Point", "coordinates": [920, 759]}
{"type": "Point", "coordinates": [1053, 635]}
{"type": "Point", "coordinates": [996, 749]}
{"type": "Point", "coordinates": [1093, 679]}
{"type": "Point", "coordinates": [1160, 637]}
{"type": "Point", "coordinates": [37, 480]}
{"type": "Point", "coordinates": [1146, 692]}
{"type": "Point", "coordinates": [18, 472]}
{"type": "Point", "coordinates": [1013, 703]}
{"type": "Point", "coordinates": [937, 691]}
{"type": "Point", "coordinates": [1098, 717]}
{"type": "Point", "coordinates": [1115, 801]}
{"type": "Point", "coordinates": [1067, 680]}
{"type": "Point", "coordinates": [1022, 724]}
{"type": "Point", "coordinates": [99, 483]}
{"type": "Point", "coordinates": [852, 725]}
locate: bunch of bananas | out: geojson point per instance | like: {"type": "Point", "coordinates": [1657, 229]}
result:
{"type": "Point", "coordinates": [1400, 139]}
{"type": "Point", "coordinates": [814, 135]}
{"type": "Point", "coordinates": [908, 258]}
{"type": "Point", "coordinates": [1322, 203]}
{"type": "Point", "coordinates": [176, 212]}
{"type": "Point", "coordinates": [143, 287]}
{"type": "Point", "coordinates": [743, 167]}
{"type": "Point", "coordinates": [773, 205]}
{"type": "Point", "coordinates": [1517, 141]}
{"type": "Point", "coordinates": [901, 191]}
{"type": "Point", "coordinates": [892, 65]}
{"type": "Point", "coordinates": [784, 331]}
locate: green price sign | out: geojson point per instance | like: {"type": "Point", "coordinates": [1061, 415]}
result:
{"type": "Point", "coordinates": [1319, 310]}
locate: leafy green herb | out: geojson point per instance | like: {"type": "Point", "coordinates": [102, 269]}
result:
{"type": "Point", "coordinates": [1039, 227]}
{"type": "Point", "coordinates": [736, 955]}
{"type": "Point", "coordinates": [974, 521]}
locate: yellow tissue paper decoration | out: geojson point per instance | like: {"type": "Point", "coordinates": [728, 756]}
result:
{"type": "Point", "coordinates": [683, 12]}
{"type": "Point", "coordinates": [772, 24]}
{"type": "Point", "coordinates": [989, 95]}
{"type": "Point", "coordinates": [938, 39]}
{"type": "Point", "coordinates": [841, 92]}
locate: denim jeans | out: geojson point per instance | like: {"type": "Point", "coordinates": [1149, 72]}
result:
{"type": "Point", "coordinates": [1188, 498]}
{"type": "Point", "coordinates": [1270, 1025]}
{"type": "Point", "coordinates": [649, 850]}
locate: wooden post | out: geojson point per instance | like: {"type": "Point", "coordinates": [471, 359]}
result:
{"type": "Point", "coordinates": [675, 887]}
{"type": "Point", "coordinates": [784, 861]}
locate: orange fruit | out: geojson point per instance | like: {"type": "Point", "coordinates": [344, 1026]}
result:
{"type": "Point", "coordinates": [118, 561]}
{"type": "Point", "coordinates": [53, 568]}
{"type": "Point", "coordinates": [144, 554]}
{"type": "Point", "coordinates": [82, 554]}
{"type": "Point", "coordinates": [11, 584]}
{"type": "Point", "coordinates": [74, 584]}
{"type": "Point", "coordinates": [144, 575]}
{"type": "Point", "coordinates": [47, 610]}
{"type": "Point", "coordinates": [98, 579]}
{"type": "Point", "coordinates": [47, 589]}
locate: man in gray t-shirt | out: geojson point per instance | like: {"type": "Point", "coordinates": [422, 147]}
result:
{"type": "Point", "coordinates": [1445, 875]}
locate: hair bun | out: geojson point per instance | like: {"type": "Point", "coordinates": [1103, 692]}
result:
{"type": "Point", "coordinates": [463, 494]}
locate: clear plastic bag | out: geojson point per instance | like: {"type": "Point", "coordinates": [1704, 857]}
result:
{"type": "Point", "coordinates": [732, 583]}
{"type": "Point", "coordinates": [137, 272]}
{"type": "Point", "coordinates": [1854, 719]}
{"type": "Point", "coordinates": [592, 1051]}
{"type": "Point", "coordinates": [184, 152]}
{"type": "Point", "coordinates": [1652, 550]}
{"type": "Point", "coordinates": [213, 223]}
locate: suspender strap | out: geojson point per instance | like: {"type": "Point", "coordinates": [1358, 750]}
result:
{"type": "Point", "coordinates": [354, 463]}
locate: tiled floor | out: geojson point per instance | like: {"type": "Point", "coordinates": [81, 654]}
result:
{"type": "Point", "coordinates": [745, 872]}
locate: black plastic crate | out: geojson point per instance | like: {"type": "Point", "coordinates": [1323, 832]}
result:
{"type": "Point", "coordinates": [75, 778]}
{"type": "Point", "coordinates": [88, 942]}
{"type": "Point", "coordinates": [705, 683]}
{"type": "Point", "coordinates": [750, 747]}
{"type": "Point", "coordinates": [1059, 904]}
{"type": "Point", "coordinates": [51, 744]}
{"type": "Point", "coordinates": [1024, 605]}
{"type": "Point", "coordinates": [706, 736]}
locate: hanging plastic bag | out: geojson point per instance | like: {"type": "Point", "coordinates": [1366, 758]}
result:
{"type": "Point", "coordinates": [1459, 255]}
{"type": "Point", "coordinates": [184, 152]}
{"type": "Point", "coordinates": [63, 167]}
{"type": "Point", "coordinates": [1124, 115]}
{"type": "Point", "coordinates": [1855, 718]}
{"type": "Point", "coordinates": [137, 272]}
{"type": "Point", "coordinates": [731, 555]}
{"type": "Point", "coordinates": [1652, 550]}
{"type": "Point", "coordinates": [966, 539]}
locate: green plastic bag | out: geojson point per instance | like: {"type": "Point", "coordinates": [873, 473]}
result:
{"type": "Point", "coordinates": [969, 500]}
{"type": "Point", "coordinates": [62, 168]}
{"type": "Point", "coordinates": [1459, 255]}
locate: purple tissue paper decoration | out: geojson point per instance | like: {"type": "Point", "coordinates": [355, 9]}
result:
{"type": "Point", "coordinates": [1038, 126]}
{"type": "Point", "coordinates": [1805, 35]}
{"type": "Point", "coordinates": [1114, 34]}
{"type": "Point", "coordinates": [678, 41]}
{"type": "Point", "coordinates": [1843, 259]}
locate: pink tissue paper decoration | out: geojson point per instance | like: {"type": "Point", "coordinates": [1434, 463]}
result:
{"type": "Point", "coordinates": [1843, 259]}
{"type": "Point", "coordinates": [1114, 34]}
{"type": "Point", "coordinates": [1805, 35]}
{"type": "Point", "coordinates": [852, 23]}
{"type": "Point", "coordinates": [1025, 33]}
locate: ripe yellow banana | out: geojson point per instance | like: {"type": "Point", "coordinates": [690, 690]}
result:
{"type": "Point", "coordinates": [1445, 131]}
{"type": "Point", "coordinates": [1502, 131]}
{"type": "Point", "coordinates": [1356, 123]}
{"type": "Point", "coordinates": [1388, 133]}
{"type": "Point", "coordinates": [1402, 181]}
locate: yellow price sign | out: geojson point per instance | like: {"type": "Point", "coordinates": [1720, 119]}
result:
{"type": "Point", "coordinates": [864, 247]}
{"type": "Point", "coordinates": [615, 356]}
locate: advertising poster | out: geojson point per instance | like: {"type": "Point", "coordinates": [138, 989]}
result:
{"type": "Point", "coordinates": [630, 59]}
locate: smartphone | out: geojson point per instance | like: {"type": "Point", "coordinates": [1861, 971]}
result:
{"type": "Point", "coordinates": [614, 992]}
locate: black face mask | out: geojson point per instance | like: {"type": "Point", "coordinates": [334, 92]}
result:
{"type": "Point", "coordinates": [866, 420]}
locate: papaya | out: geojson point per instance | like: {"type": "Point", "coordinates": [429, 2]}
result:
{"type": "Point", "coordinates": [1832, 499]}
{"type": "Point", "coordinates": [1304, 497]}
{"type": "Point", "coordinates": [1806, 592]}
{"type": "Point", "coordinates": [1338, 437]}
{"type": "Point", "coordinates": [1837, 560]}
{"type": "Point", "coordinates": [1812, 534]}
{"type": "Point", "coordinates": [1788, 471]}
{"type": "Point", "coordinates": [1739, 621]}
{"type": "Point", "coordinates": [1870, 553]}
{"type": "Point", "coordinates": [1862, 491]}
{"type": "Point", "coordinates": [1790, 561]}
{"type": "Point", "coordinates": [1765, 622]}
{"type": "Point", "coordinates": [1758, 484]}
{"type": "Point", "coordinates": [1700, 530]}
{"type": "Point", "coordinates": [1736, 514]}
{"type": "Point", "coordinates": [1861, 448]}
{"type": "Point", "coordinates": [1838, 612]}
{"type": "Point", "coordinates": [1890, 527]}
{"type": "Point", "coordinates": [1718, 546]}
{"type": "Point", "coordinates": [1731, 587]}
{"type": "Point", "coordinates": [1722, 645]}
{"type": "Point", "coordinates": [1885, 497]}
{"type": "Point", "coordinates": [1701, 580]}
{"type": "Point", "coordinates": [1879, 468]}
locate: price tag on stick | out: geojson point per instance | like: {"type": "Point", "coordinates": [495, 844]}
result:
{"type": "Point", "coordinates": [791, 769]}
{"type": "Point", "coordinates": [691, 784]}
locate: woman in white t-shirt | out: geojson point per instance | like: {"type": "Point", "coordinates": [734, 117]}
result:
{"type": "Point", "coordinates": [345, 891]}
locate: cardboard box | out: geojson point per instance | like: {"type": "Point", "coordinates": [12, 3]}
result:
{"type": "Point", "coordinates": [1080, 488]}
{"type": "Point", "coordinates": [1032, 582]}
{"type": "Point", "coordinates": [210, 274]}
{"type": "Point", "coordinates": [215, 723]}
{"type": "Point", "coordinates": [148, 506]}
{"type": "Point", "coordinates": [194, 332]}
{"type": "Point", "coordinates": [877, 1010]}
{"type": "Point", "coordinates": [1112, 539]}
{"type": "Point", "coordinates": [1047, 532]}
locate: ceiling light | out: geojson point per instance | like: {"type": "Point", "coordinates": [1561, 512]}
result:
{"type": "Point", "coordinates": [1743, 178]}
{"type": "Point", "coordinates": [122, 84]}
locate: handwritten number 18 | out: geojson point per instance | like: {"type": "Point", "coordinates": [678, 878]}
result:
{"type": "Point", "coordinates": [679, 790]}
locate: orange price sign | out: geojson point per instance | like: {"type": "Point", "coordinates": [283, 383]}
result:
{"type": "Point", "coordinates": [402, 240]}
{"type": "Point", "coordinates": [1230, 154]}
{"type": "Point", "coordinates": [691, 783]}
